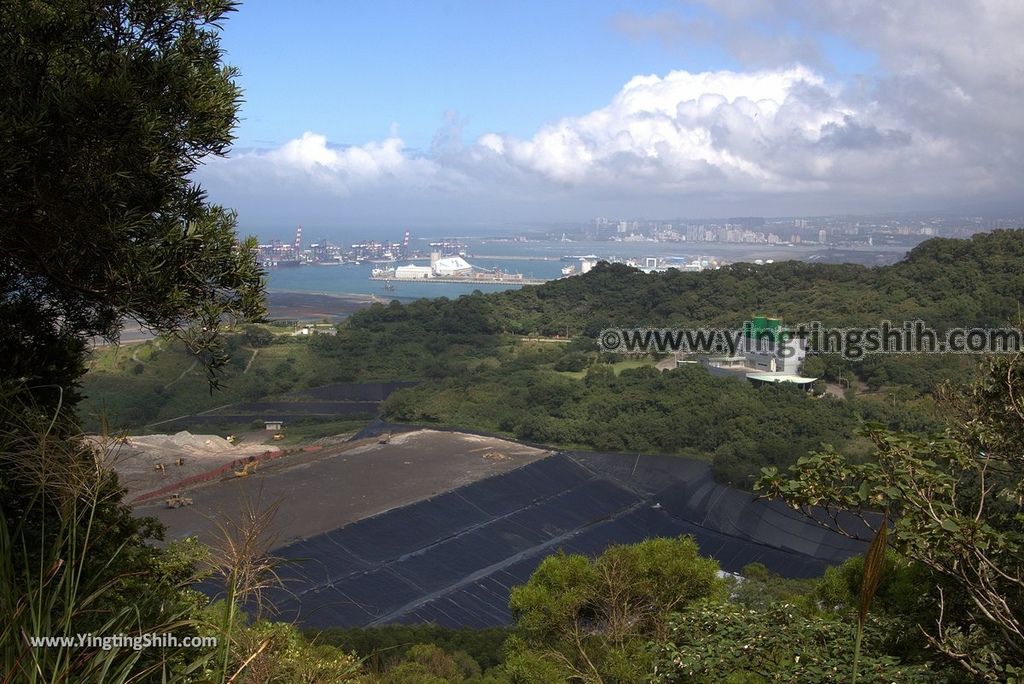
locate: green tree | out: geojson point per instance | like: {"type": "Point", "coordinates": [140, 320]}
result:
{"type": "Point", "coordinates": [428, 663]}
{"type": "Point", "coordinates": [109, 108]}
{"type": "Point", "coordinates": [724, 642]}
{"type": "Point", "coordinates": [956, 505]}
{"type": "Point", "coordinates": [277, 652]}
{"type": "Point", "coordinates": [813, 366]}
{"type": "Point", "coordinates": [591, 620]}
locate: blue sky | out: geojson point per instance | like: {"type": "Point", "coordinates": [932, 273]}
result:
{"type": "Point", "coordinates": [352, 69]}
{"type": "Point", "coordinates": [474, 113]}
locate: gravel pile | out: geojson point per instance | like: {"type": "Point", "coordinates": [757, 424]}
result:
{"type": "Point", "coordinates": [181, 441]}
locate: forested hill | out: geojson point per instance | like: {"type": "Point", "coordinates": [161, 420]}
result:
{"type": "Point", "coordinates": [945, 282]}
{"type": "Point", "coordinates": [974, 282]}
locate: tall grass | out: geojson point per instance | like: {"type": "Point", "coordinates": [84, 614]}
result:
{"type": "Point", "coordinates": [59, 570]}
{"type": "Point", "coordinates": [73, 561]}
{"type": "Point", "coordinates": [874, 569]}
{"type": "Point", "coordinates": [239, 559]}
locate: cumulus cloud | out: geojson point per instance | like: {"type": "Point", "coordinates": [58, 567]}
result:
{"type": "Point", "coordinates": [682, 132]}
{"type": "Point", "coordinates": [949, 70]}
{"type": "Point", "coordinates": [310, 160]}
{"type": "Point", "coordinates": [941, 120]}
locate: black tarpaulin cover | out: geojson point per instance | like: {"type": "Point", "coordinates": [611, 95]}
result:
{"type": "Point", "coordinates": [452, 559]}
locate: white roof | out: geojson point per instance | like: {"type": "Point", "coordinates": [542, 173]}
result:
{"type": "Point", "coordinates": [451, 264]}
{"type": "Point", "coordinates": [780, 377]}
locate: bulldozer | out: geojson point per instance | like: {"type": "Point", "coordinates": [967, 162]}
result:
{"type": "Point", "coordinates": [176, 500]}
{"type": "Point", "coordinates": [246, 469]}
{"type": "Point", "coordinates": [278, 436]}
{"type": "Point", "coordinates": [231, 439]}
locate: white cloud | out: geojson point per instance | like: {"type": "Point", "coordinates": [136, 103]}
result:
{"type": "Point", "coordinates": [941, 123]}
{"type": "Point", "coordinates": [311, 161]}
{"type": "Point", "coordinates": [680, 132]}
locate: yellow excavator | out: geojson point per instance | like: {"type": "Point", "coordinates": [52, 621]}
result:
{"type": "Point", "coordinates": [246, 469]}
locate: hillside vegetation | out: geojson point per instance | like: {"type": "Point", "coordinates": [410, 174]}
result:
{"type": "Point", "coordinates": [479, 373]}
{"type": "Point", "coordinates": [112, 105]}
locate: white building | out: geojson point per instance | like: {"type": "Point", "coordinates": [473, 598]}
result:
{"type": "Point", "coordinates": [451, 266]}
{"type": "Point", "coordinates": [412, 272]}
{"type": "Point", "coordinates": [316, 330]}
{"type": "Point", "coordinates": [761, 361]}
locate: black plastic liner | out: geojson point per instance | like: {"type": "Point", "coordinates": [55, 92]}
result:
{"type": "Point", "coordinates": [452, 559]}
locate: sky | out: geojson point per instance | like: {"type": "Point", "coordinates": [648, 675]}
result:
{"type": "Point", "coordinates": [496, 113]}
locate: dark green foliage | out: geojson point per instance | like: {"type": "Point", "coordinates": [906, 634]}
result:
{"type": "Point", "coordinates": [110, 107]}
{"type": "Point", "coordinates": [591, 620]}
{"type": "Point", "coordinates": [75, 561]}
{"type": "Point", "coordinates": [447, 341]}
{"type": "Point", "coordinates": [426, 338]}
{"type": "Point", "coordinates": [442, 337]}
{"type": "Point", "coordinates": [928, 284]}
{"type": "Point", "coordinates": [685, 410]}
{"type": "Point", "coordinates": [720, 642]}
{"type": "Point", "coordinates": [383, 647]}
{"type": "Point", "coordinates": [955, 503]}
{"type": "Point", "coordinates": [611, 619]}
{"type": "Point", "coordinates": [573, 362]}
{"type": "Point", "coordinates": [761, 588]}
{"type": "Point", "coordinates": [429, 664]}
{"type": "Point", "coordinates": [902, 598]}
{"type": "Point", "coordinates": [276, 652]}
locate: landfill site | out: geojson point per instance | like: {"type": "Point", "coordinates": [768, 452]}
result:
{"type": "Point", "coordinates": [314, 488]}
{"type": "Point", "coordinates": [406, 525]}
{"type": "Point", "coordinates": [149, 462]}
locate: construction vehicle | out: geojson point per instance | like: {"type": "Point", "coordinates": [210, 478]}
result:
{"type": "Point", "coordinates": [159, 467]}
{"type": "Point", "coordinates": [246, 469]}
{"type": "Point", "coordinates": [278, 436]}
{"type": "Point", "coordinates": [384, 439]}
{"type": "Point", "coordinates": [180, 461]}
{"type": "Point", "coordinates": [176, 500]}
{"type": "Point", "coordinates": [231, 439]}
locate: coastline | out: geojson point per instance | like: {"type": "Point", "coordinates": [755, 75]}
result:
{"type": "Point", "coordinates": [296, 304]}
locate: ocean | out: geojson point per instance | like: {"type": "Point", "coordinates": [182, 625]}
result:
{"type": "Point", "coordinates": [534, 259]}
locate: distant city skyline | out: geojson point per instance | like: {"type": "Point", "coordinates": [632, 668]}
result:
{"type": "Point", "coordinates": [467, 114]}
{"type": "Point", "coordinates": [843, 229]}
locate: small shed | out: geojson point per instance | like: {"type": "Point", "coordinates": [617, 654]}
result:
{"type": "Point", "coordinates": [274, 425]}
